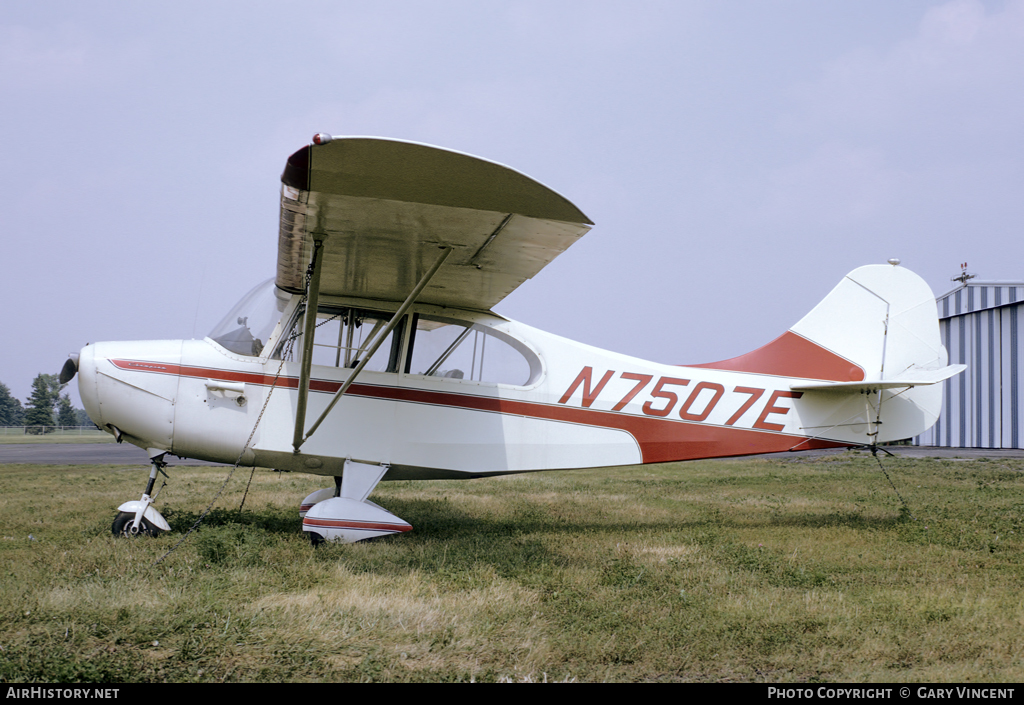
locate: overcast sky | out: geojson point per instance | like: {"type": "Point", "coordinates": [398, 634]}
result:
{"type": "Point", "coordinates": [738, 158]}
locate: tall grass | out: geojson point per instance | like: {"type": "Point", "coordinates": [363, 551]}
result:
{"type": "Point", "coordinates": [759, 570]}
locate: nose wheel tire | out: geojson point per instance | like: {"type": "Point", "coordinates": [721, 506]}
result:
{"type": "Point", "coordinates": [123, 526]}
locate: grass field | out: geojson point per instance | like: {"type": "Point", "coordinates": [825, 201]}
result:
{"type": "Point", "coordinates": [758, 570]}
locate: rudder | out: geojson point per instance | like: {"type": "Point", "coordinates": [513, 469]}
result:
{"type": "Point", "coordinates": [880, 317]}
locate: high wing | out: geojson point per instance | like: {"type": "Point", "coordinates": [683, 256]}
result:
{"type": "Point", "coordinates": [383, 208]}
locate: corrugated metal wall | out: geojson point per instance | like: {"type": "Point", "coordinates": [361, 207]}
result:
{"type": "Point", "coordinates": [981, 326]}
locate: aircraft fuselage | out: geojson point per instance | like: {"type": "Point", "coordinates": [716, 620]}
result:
{"type": "Point", "coordinates": [578, 407]}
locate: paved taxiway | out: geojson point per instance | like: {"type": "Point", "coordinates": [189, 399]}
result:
{"type": "Point", "coordinates": [82, 454]}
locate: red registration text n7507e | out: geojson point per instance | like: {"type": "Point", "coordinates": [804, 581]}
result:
{"type": "Point", "coordinates": [672, 397]}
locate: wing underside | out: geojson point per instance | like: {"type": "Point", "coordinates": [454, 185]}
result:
{"type": "Point", "coordinates": [383, 208]}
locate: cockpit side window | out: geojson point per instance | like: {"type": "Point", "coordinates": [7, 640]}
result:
{"type": "Point", "coordinates": [343, 337]}
{"type": "Point", "coordinates": [438, 346]}
{"type": "Point", "coordinates": [460, 350]}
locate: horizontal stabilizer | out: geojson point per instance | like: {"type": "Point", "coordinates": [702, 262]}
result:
{"type": "Point", "coordinates": [912, 377]}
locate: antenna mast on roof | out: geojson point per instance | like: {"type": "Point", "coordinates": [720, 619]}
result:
{"type": "Point", "coordinates": [964, 276]}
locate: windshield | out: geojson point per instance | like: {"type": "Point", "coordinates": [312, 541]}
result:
{"type": "Point", "coordinates": [252, 320]}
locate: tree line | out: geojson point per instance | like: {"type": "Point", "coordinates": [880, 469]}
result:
{"type": "Point", "coordinates": [46, 406]}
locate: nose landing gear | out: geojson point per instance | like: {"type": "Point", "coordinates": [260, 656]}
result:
{"type": "Point", "coordinates": [139, 518]}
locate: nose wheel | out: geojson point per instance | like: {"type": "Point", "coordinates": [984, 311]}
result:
{"type": "Point", "coordinates": [124, 526]}
{"type": "Point", "coordinates": [139, 518]}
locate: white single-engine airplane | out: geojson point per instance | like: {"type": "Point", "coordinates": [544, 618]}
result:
{"type": "Point", "coordinates": [374, 353]}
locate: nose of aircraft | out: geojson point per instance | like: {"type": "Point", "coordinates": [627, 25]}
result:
{"type": "Point", "coordinates": [85, 365]}
{"type": "Point", "coordinates": [131, 387]}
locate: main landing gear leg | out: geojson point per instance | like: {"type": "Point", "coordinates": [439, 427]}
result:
{"type": "Point", "coordinates": [344, 514]}
{"type": "Point", "coordinates": [139, 518]}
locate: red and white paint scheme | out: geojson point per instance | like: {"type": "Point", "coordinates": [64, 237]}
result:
{"type": "Point", "coordinates": [404, 372]}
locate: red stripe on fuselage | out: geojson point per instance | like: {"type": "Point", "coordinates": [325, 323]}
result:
{"type": "Point", "coordinates": [660, 439]}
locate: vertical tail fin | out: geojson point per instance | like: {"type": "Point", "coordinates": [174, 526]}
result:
{"type": "Point", "coordinates": [880, 317]}
{"type": "Point", "coordinates": [871, 354]}
{"type": "Point", "coordinates": [877, 322]}
{"type": "Point", "coordinates": [883, 318]}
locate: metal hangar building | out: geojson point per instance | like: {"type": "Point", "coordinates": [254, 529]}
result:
{"type": "Point", "coordinates": [981, 326]}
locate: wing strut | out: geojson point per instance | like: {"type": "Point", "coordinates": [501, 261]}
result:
{"type": "Point", "coordinates": [381, 337]}
{"type": "Point", "coordinates": [309, 324]}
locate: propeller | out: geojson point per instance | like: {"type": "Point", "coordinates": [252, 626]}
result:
{"type": "Point", "coordinates": [70, 369]}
